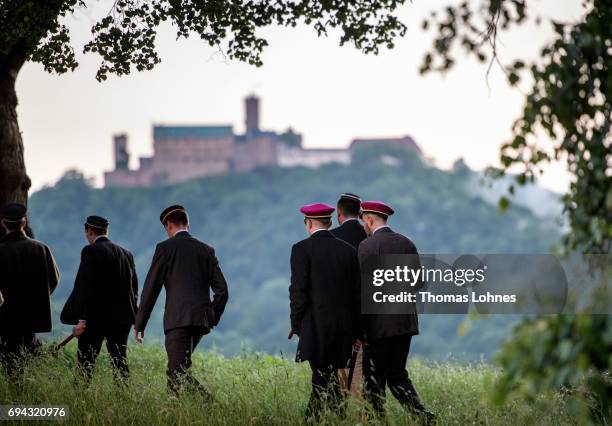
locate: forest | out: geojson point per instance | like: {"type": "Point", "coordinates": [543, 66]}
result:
{"type": "Point", "coordinates": [253, 219]}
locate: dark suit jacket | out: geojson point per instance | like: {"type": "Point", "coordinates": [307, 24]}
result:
{"type": "Point", "coordinates": [385, 241]}
{"type": "Point", "coordinates": [189, 270]}
{"type": "Point", "coordinates": [324, 296]}
{"type": "Point", "coordinates": [350, 231]}
{"type": "Point", "coordinates": [28, 276]}
{"type": "Point", "coordinates": [105, 290]}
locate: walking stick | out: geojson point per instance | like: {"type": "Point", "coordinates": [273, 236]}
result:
{"type": "Point", "coordinates": [349, 381]}
{"type": "Point", "coordinates": [63, 343]}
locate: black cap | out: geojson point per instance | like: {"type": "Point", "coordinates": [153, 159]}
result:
{"type": "Point", "coordinates": [97, 222]}
{"type": "Point", "coordinates": [169, 210]}
{"type": "Point", "coordinates": [349, 196]}
{"type": "Point", "coordinates": [13, 212]}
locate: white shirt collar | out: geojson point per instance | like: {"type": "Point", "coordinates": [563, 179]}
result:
{"type": "Point", "coordinates": [181, 230]}
{"type": "Point", "coordinates": [350, 218]}
{"type": "Point", "coordinates": [320, 229]}
{"type": "Point", "coordinates": [100, 236]}
{"type": "Point", "coordinates": [380, 227]}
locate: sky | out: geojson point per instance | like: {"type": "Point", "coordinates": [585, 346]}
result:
{"type": "Point", "coordinates": [330, 94]}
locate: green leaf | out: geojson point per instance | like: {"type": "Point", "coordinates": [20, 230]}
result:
{"type": "Point", "coordinates": [503, 204]}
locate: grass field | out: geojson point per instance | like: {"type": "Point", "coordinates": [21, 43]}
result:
{"type": "Point", "coordinates": [256, 389]}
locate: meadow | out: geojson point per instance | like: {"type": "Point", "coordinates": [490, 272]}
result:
{"type": "Point", "coordinates": [258, 389]}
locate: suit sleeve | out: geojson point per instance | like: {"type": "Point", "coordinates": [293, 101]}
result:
{"type": "Point", "coordinates": [84, 282]}
{"type": "Point", "coordinates": [417, 266]}
{"type": "Point", "coordinates": [154, 282]}
{"type": "Point", "coordinates": [134, 280]}
{"type": "Point", "coordinates": [356, 296]}
{"type": "Point", "coordinates": [363, 252]}
{"type": "Point", "coordinates": [53, 274]}
{"type": "Point", "coordinates": [219, 289]}
{"type": "Point", "coordinates": [298, 288]}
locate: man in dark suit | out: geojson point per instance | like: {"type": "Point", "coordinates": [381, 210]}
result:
{"type": "Point", "coordinates": [103, 303]}
{"type": "Point", "coordinates": [349, 230]}
{"type": "Point", "coordinates": [189, 270]}
{"type": "Point", "coordinates": [324, 300]}
{"type": "Point", "coordinates": [388, 336]}
{"type": "Point", "coordinates": [28, 277]}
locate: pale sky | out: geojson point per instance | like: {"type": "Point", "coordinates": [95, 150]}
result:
{"type": "Point", "coordinates": [330, 94]}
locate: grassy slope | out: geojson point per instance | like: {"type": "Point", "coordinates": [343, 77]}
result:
{"type": "Point", "coordinates": [255, 389]}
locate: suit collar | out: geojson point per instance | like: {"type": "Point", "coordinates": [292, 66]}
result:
{"type": "Point", "coordinates": [14, 236]}
{"type": "Point", "coordinates": [322, 234]}
{"type": "Point", "coordinates": [350, 222]}
{"type": "Point", "coordinates": [182, 234]}
{"type": "Point", "coordinates": [101, 239]}
{"type": "Point", "coordinates": [383, 230]}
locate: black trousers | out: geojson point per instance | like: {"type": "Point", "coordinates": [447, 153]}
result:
{"type": "Point", "coordinates": [326, 391]}
{"type": "Point", "coordinates": [180, 344]}
{"type": "Point", "coordinates": [15, 348]}
{"type": "Point", "coordinates": [90, 343]}
{"type": "Point", "coordinates": [384, 364]}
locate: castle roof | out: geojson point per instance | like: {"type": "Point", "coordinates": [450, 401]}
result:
{"type": "Point", "coordinates": [406, 141]}
{"type": "Point", "coordinates": [191, 132]}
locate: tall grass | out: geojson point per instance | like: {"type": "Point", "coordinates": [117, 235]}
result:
{"type": "Point", "coordinates": [254, 389]}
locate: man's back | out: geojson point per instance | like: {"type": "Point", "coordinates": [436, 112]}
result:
{"type": "Point", "coordinates": [383, 242]}
{"type": "Point", "coordinates": [350, 231]}
{"type": "Point", "coordinates": [188, 269]}
{"type": "Point", "coordinates": [324, 298]}
{"type": "Point", "coordinates": [28, 275]}
{"type": "Point", "coordinates": [106, 287]}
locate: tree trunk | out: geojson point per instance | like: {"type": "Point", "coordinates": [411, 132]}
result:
{"type": "Point", "coordinates": [14, 182]}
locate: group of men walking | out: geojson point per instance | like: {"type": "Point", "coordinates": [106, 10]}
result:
{"type": "Point", "coordinates": [103, 305]}
{"type": "Point", "coordinates": [324, 301]}
{"type": "Point", "coordinates": [325, 296]}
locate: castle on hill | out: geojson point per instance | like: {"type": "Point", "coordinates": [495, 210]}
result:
{"type": "Point", "coordinates": [181, 153]}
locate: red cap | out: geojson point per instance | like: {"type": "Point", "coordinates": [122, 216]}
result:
{"type": "Point", "coordinates": [317, 211]}
{"type": "Point", "coordinates": [376, 207]}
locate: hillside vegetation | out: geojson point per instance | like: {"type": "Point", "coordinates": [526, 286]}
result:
{"type": "Point", "coordinates": [253, 219]}
{"type": "Point", "coordinates": [259, 390]}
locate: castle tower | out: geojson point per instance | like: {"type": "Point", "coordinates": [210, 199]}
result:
{"type": "Point", "coordinates": [251, 104]}
{"type": "Point", "coordinates": [122, 156]}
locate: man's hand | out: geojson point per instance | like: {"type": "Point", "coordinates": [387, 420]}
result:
{"type": "Point", "coordinates": [138, 336]}
{"type": "Point", "coordinates": [79, 328]}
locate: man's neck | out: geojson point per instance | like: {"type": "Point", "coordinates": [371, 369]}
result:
{"type": "Point", "coordinates": [348, 219]}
